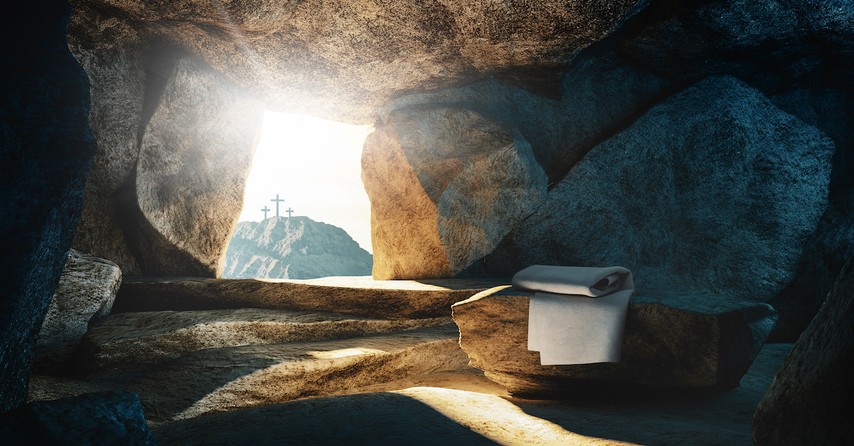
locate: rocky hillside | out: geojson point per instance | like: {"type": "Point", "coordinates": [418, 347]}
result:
{"type": "Point", "coordinates": [295, 248]}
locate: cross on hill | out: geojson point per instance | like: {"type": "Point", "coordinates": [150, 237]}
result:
{"type": "Point", "coordinates": [277, 200]}
{"type": "Point", "coordinates": [265, 210]}
{"type": "Point", "coordinates": [289, 211]}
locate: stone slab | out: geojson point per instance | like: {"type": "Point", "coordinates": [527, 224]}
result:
{"type": "Point", "coordinates": [229, 378]}
{"type": "Point", "coordinates": [400, 299]}
{"type": "Point", "coordinates": [128, 340]}
{"type": "Point", "coordinates": [668, 343]}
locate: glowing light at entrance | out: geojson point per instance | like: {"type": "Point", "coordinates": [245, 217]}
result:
{"type": "Point", "coordinates": [315, 166]}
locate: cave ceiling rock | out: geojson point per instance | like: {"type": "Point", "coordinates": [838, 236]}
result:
{"type": "Point", "coordinates": [343, 60]}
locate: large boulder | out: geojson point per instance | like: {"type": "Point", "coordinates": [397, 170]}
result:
{"type": "Point", "coordinates": [810, 397]}
{"type": "Point", "coordinates": [113, 54]}
{"type": "Point", "coordinates": [446, 185]}
{"type": "Point", "coordinates": [194, 157]}
{"type": "Point", "coordinates": [85, 294]}
{"type": "Point", "coordinates": [45, 150]}
{"type": "Point", "coordinates": [670, 341]}
{"type": "Point", "coordinates": [175, 141]}
{"type": "Point", "coordinates": [602, 93]}
{"type": "Point", "coordinates": [344, 59]}
{"type": "Point", "coordinates": [713, 192]}
{"type": "Point", "coordinates": [101, 418]}
{"type": "Point", "coordinates": [800, 53]}
{"type": "Point", "coordinates": [538, 119]}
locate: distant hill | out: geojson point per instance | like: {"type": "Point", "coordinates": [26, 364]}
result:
{"type": "Point", "coordinates": [295, 248]}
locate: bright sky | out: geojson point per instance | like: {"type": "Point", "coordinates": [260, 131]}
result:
{"type": "Point", "coordinates": [315, 166]}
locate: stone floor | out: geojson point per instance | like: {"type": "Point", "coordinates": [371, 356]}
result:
{"type": "Point", "coordinates": [281, 375]}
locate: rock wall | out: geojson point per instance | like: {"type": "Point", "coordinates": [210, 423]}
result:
{"type": "Point", "coordinates": [194, 158]}
{"type": "Point", "coordinates": [446, 184]}
{"type": "Point", "coordinates": [794, 58]}
{"type": "Point", "coordinates": [810, 393]}
{"type": "Point", "coordinates": [46, 148]}
{"type": "Point", "coordinates": [483, 113]}
{"type": "Point", "coordinates": [175, 143]}
{"type": "Point", "coordinates": [160, 70]}
{"type": "Point", "coordinates": [113, 53]}
{"type": "Point", "coordinates": [714, 191]}
{"type": "Point", "coordinates": [343, 59]}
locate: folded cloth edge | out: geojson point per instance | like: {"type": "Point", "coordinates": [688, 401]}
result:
{"type": "Point", "coordinates": [574, 280]}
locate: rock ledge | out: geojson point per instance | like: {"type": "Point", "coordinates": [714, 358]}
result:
{"type": "Point", "coordinates": [670, 342]}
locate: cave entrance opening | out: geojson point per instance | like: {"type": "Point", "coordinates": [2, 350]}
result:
{"type": "Point", "coordinates": [309, 170]}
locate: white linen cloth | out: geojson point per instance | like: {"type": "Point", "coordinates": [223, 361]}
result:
{"type": "Point", "coordinates": [577, 315]}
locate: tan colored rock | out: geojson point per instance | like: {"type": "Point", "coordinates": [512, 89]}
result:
{"type": "Point", "coordinates": [680, 342]}
{"type": "Point", "coordinates": [451, 412]}
{"type": "Point", "coordinates": [85, 294]}
{"type": "Point", "coordinates": [194, 159]}
{"type": "Point", "coordinates": [229, 378]}
{"type": "Point", "coordinates": [446, 185]}
{"type": "Point", "coordinates": [128, 340]}
{"type": "Point", "coordinates": [363, 296]}
{"type": "Point", "coordinates": [175, 141]}
{"type": "Point", "coordinates": [112, 53]}
{"type": "Point", "coordinates": [343, 59]}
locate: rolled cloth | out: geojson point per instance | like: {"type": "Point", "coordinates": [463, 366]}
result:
{"type": "Point", "coordinates": [577, 314]}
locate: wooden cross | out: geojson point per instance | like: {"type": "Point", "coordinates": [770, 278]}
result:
{"type": "Point", "coordinates": [265, 210]}
{"type": "Point", "coordinates": [277, 200]}
{"type": "Point", "coordinates": [289, 211]}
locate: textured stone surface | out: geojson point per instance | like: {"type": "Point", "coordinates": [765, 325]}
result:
{"type": "Point", "coordinates": [45, 150]}
{"type": "Point", "coordinates": [450, 411]}
{"type": "Point", "coordinates": [344, 59]}
{"type": "Point", "coordinates": [293, 248]}
{"type": "Point", "coordinates": [175, 141]}
{"type": "Point", "coordinates": [712, 192]}
{"type": "Point", "coordinates": [102, 418]}
{"type": "Point", "coordinates": [800, 53]}
{"type": "Point", "coordinates": [363, 296]}
{"type": "Point", "coordinates": [826, 250]}
{"type": "Point", "coordinates": [770, 43]}
{"type": "Point", "coordinates": [85, 294]}
{"type": "Point", "coordinates": [536, 118]}
{"type": "Point", "coordinates": [233, 377]}
{"type": "Point", "coordinates": [194, 158]}
{"type": "Point", "coordinates": [116, 59]}
{"type": "Point", "coordinates": [602, 93]}
{"type": "Point", "coordinates": [671, 341]}
{"type": "Point", "coordinates": [446, 185]}
{"type": "Point", "coordinates": [130, 340]}
{"type": "Point", "coordinates": [809, 398]}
